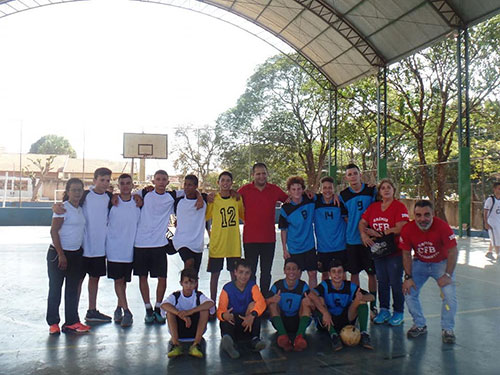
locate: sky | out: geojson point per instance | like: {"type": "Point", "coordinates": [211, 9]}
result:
{"type": "Point", "coordinates": [92, 70]}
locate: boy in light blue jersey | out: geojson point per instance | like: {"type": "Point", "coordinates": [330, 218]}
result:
{"type": "Point", "coordinates": [297, 234]}
{"type": "Point", "coordinates": [329, 227]}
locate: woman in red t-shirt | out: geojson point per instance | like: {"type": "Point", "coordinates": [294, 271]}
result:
{"type": "Point", "coordinates": [384, 217]}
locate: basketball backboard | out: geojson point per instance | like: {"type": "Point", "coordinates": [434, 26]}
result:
{"type": "Point", "coordinates": [142, 145]}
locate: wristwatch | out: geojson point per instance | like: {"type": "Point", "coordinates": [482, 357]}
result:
{"type": "Point", "coordinates": [254, 313]}
{"type": "Point", "coordinates": [447, 274]}
{"type": "Point", "coordinates": [408, 277]}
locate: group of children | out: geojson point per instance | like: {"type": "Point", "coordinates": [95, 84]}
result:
{"type": "Point", "coordinates": [129, 229]}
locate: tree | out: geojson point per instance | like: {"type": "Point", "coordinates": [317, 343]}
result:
{"type": "Point", "coordinates": [53, 144]}
{"type": "Point", "coordinates": [425, 85]}
{"type": "Point", "coordinates": [38, 177]}
{"type": "Point", "coordinates": [284, 111]}
{"type": "Point", "coordinates": [196, 152]}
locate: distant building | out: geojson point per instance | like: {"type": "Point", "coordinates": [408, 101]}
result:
{"type": "Point", "coordinates": [62, 169]}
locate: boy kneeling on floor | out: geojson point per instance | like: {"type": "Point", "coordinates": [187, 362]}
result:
{"type": "Point", "coordinates": [187, 315]}
{"type": "Point", "coordinates": [240, 306]}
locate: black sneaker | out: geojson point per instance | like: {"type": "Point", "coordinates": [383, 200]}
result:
{"type": "Point", "coordinates": [336, 343]}
{"type": "Point", "coordinates": [127, 319]}
{"type": "Point", "coordinates": [97, 317]}
{"type": "Point", "coordinates": [365, 341]}
{"type": "Point", "coordinates": [258, 344]}
{"type": "Point", "coordinates": [489, 255]}
{"type": "Point", "coordinates": [118, 315]}
{"type": "Point", "coordinates": [448, 336]}
{"type": "Point", "coordinates": [416, 331]}
{"type": "Point", "coordinates": [149, 318]}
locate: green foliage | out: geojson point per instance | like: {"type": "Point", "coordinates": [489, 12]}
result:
{"type": "Point", "coordinates": [53, 144]}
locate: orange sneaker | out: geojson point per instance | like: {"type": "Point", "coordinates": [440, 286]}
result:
{"type": "Point", "coordinates": [284, 343]}
{"type": "Point", "coordinates": [76, 328]}
{"type": "Point", "coordinates": [299, 343]}
{"type": "Point", "coordinates": [54, 329]}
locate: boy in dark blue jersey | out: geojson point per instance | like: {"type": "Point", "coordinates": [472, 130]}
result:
{"type": "Point", "coordinates": [296, 224]}
{"type": "Point", "coordinates": [290, 311]}
{"type": "Point", "coordinates": [329, 227]}
{"type": "Point", "coordinates": [356, 199]}
{"type": "Point", "coordinates": [340, 303]}
{"type": "Point", "coordinates": [240, 306]}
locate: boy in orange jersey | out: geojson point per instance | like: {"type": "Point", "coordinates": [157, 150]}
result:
{"type": "Point", "coordinates": [240, 306]}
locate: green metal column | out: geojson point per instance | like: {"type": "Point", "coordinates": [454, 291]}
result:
{"type": "Point", "coordinates": [464, 183]}
{"type": "Point", "coordinates": [333, 167]}
{"type": "Point", "coordinates": [382, 151]}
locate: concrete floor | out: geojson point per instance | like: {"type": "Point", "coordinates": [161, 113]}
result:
{"type": "Point", "coordinates": [26, 347]}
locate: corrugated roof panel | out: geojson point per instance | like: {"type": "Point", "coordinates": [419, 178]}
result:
{"type": "Point", "coordinates": [474, 11]}
{"type": "Point", "coordinates": [278, 17]}
{"type": "Point", "coordinates": [409, 32]}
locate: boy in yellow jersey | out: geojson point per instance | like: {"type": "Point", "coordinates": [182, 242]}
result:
{"type": "Point", "coordinates": [225, 213]}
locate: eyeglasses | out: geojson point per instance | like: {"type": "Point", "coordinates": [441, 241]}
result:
{"type": "Point", "coordinates": [76, 190]}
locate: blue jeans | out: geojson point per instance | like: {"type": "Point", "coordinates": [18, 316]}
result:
{"type": "Point", "coordinates": [421, 271]}
{"type": "Point", "coordinates": [389, 276]}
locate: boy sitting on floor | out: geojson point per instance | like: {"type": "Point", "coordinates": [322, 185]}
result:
{"type": "Point", "coordinates": [240, 306]}
{"type": "Point", "coordinates": [289, 309]}
{"type": "Point", "coordinates": [340, 303]}
{"type": "Point", "coordinates": [187, 314]}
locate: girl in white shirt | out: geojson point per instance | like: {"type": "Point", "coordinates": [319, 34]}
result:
{"type": "Point", "coordinates": [64, 261]}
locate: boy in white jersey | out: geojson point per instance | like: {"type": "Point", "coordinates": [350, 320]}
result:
{"type": "Point", "coordinates": [122, 226]}
{"type": "Point", "coordinates": [150, 242]}
{"type": "Point", "coordinates": [190, 231]}
{"type": "Point", "coordinates": [94, 204]}
{"type": "Point", "coordinates": [187, 314]}
{"type": "Point", "coordinates": [491, 216]}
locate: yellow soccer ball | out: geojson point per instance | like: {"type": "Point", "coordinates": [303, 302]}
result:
{"type": "Point", "coordinates": [350, 335]}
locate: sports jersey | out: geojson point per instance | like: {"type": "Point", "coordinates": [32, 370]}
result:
{"type": "Point", "coordinates": [381, 220]}
{"type": "Point", "coordinates": [95, 210]}
{"type": "Point", "coordinates": [297, 220]}
{"type": "Point", "coordinates": [337, 300]}
{"type": "Point", "coordinates": [238, 300]}
{"type": "Point", "coordinates": [260, 207]}
{"type": "Point", "coordinates": [182, 302]}
{"type": "Point", "coordinates": [73, 228]}
{"type": "Point", "coordinates": [122, 226]}
{"type": "Point", "coordinates": [429, 246]}
{"type": "Point", "coordinates": [356, 204]}
{"type": "Point", "coordinates": [190, 229]}
{"type": "Point", "coordinates": [290, 299]}
{"type": "Point", "coordinates": [329, 225]}
{"type": "Point", "coordinates": [225, 239]}
{"type": "Point", "coordinates": [155, 216]}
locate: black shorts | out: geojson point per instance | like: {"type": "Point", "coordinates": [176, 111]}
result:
{"type": "Point", "coordinates": [307, 261]}
{"type": "Point", "coordinates": [291, 323]}
{"type": "Point", "coordinates": [188, 333]}
{"type": "Point", "coordinates": [216, 264]}
{"type": "Point", "coordinates": [152, 260]}
{"type": "Point", "coordinates": [187, 254]}
{"type": "Point", "coordinates": [324, 259]}
{"type": "Point", "coordinates": [359, 258]}
{"type": "Point", "coordinates": [95, 267]}
{"type": "Point", "coordinates": [119, 270]}
{"type": "Point", "coordinates": [339, 321]}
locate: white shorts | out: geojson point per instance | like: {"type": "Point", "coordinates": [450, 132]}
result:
{"type": "Point", "coordinates": [494, 233]}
